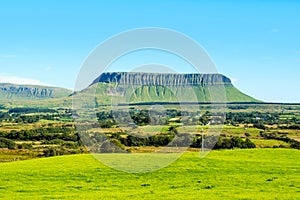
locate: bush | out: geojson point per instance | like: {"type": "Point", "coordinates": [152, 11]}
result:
{"type": "Point", "coordinates": [6, 143]}
{"type": "Point", "coordinates": [247, 134]}
{"type": "Point", "coordinates": [249, 144]}
{"type": "Point", "coordinates": [56, 151]}
{"type": "Point", "coordinates": [112, 146]}
{"type": "Point", "coordinates": [70, 145]}
{"type": "Point", "coordinates": [54, 141]}
{"type": "Point", "coordinates": [259, 126]}
{"type": "Point", "coordinates": [234, 142]}
{"type": "Point", "coordinates": [295, 145]}
{"type": "Point", "coordinates": [51, 152]}
{"type": "Point", "coordinates": [25, 146]}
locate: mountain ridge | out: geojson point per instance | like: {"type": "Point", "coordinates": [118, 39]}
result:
{"type": "Point", "coordinates": [15, 91]}
{"type": "Point", "coordinates": [132, 87]}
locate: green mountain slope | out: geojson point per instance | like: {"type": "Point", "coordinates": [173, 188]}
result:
{"type": "Point", "coordinates": [148, 87]}
{"type": "Point", "coordinates": [31, 92]}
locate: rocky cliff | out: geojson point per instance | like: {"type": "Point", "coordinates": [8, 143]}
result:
{"type": "Point", "coordinates": [134, 78]}
{"type": "Point", "coordinates": [12, 91]}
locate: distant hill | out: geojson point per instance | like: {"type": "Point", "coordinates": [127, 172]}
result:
{"type": "Point", "coordinates": [137, 87]}
{"type": "Point", "coordinates": [31, 92]}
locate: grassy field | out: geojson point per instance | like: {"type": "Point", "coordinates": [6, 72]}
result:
{"type": "Point", "coordinates": [14, 155]}
{"type": "Point", "coordinates": [230, 174]}
{"type": "Point", "coordinates": [262, 143]}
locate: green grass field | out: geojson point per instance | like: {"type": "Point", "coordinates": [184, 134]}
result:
{"type": "Point", "coordinates": [262, 143]}
{"type": "Point", "coordinates": [230, 174]}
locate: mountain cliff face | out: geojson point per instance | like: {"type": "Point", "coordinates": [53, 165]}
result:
{"type": "Point", "coordinates": [12, 91]}
{"type": "Point", "coordinates": [126, 78]}
{"type": "Point", "coordinates": [138, 87]}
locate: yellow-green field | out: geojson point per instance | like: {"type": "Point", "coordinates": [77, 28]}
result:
{"type": "Point", "coordinates": [228, 174]}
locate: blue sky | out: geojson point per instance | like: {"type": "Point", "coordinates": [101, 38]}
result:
{"type": "Point", "coordinates": [256, 43]}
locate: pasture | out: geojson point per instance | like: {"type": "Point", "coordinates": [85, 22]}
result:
{"type": "Point", "coordinates": [225, 174]}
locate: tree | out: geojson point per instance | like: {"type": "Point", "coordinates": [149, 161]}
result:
{"type": "Point", "coordinates": [249, 144]}
{"type": "Point", "coordinates": [140, 117]}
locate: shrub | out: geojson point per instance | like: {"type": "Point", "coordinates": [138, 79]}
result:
{"type": "Point", "coordinates": [234, 142]}
{"type": "Point", "coordinates": [249, 144]}
{"type": "Point", "coordinates": [54, 141]}
{"type": "Point", "coordinates": [247, 134]}
{"type": "Point", "coordinates": [295, 145]}
{"type": "Point", "coordinates": [51, 152]}
{"type": "Point", "coordinates": [25, 146]}
{"type": "Point", "coordinates": [112, 146]}
{"type": "Point", "coordinates": [6, 143]}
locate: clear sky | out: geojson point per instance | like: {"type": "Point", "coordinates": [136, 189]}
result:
{"type": "Point", "coordinates": [255, 43]}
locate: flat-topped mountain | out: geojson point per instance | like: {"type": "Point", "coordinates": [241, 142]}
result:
{"type": "Point", "coordinates": [19, 92]}
{"type": "Point", "coordinates": [139, 87]}
{"type": "Point", "coordinates": [131, 87]}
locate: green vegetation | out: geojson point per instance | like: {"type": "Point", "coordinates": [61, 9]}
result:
{"type": "Point", "coordinates": [6, 143]}
{"type": "Point", "coordinates": [231, 174]}
{"type": "Point", "coordinates": [171, 94]}
{"type": "Point", "coordinates": [50, 132]}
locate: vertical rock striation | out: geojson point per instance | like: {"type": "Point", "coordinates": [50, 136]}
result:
{"type": "Point", "coordinates": [138, 78]}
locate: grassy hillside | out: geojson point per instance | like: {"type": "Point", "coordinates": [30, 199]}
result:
{"type": "Point", "coordinates": [227, 93]}
{"type": "Point", "coordinates": [110, 93]}
{"type": "Point", "coordinates": [232, 174]}
{"type": "Point", "coordinates": [31, 92]}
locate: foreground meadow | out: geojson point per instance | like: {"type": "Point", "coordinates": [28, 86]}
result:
{"type": "Point", "coordinates": [226, 174]}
